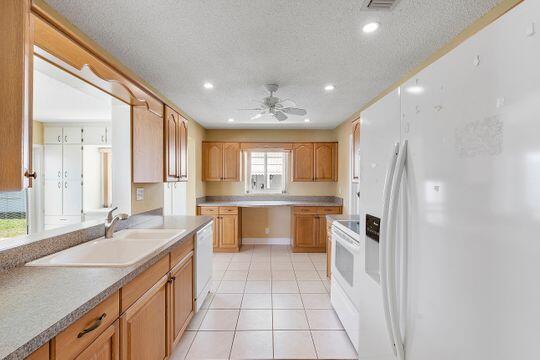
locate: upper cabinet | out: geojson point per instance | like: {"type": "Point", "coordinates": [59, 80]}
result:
{"type": "Point", "coordinates": [303, 162]}
{"type": "Point", "coordinates": [221, 161]}
{"type": "Point", "coordinates": [355, 149]}
{"type": "Point", "coordinates": [325, 161]}
{"type": "Point", "coordinates": [175, 135]}
{"type": "Point", "coordinates": [314, 162]}
{"type": "Point", "coordinates": [15, 94]}
{"type": "Point", "coordinates": [147, 130]}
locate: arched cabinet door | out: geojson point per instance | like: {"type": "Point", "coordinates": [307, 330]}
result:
{"type": "Point", "coordinates": [183, 150]}
{"type": "Point", "coordinates": [172, 135]}
{"type": "Point", "coordinates": [303, 162]}
{"type": "Point", "coordinates": [212, 161]}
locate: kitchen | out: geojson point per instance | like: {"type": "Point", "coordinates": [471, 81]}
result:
{"type": "Point", "coordinates": [308, 222]}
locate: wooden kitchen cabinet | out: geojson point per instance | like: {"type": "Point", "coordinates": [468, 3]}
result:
{"type": "Point", "coordinates": [356, 146]}
{"type": "Point", "coordinates": [303, 162]}
{"type": "Point", "coordinates": [175, 146]}
{"type": "Point", "coordinates": [221, 161]}
{"type": "Point", "coordinates": [325, 160]}
{"type": "Point", "coordinates": [309, 227]}
{"type": "Point", "coordinates": [227, 227]}
{"type": "Point", "coordinates": [314, 162]}
{"type": "Point", "coordinates": [105, 347]}
{"type": "Point", "coordinates": [147, 132]}
{"type": "Point", "coordinates": [143, 327]}
{"type": "Point", "coordinates": [16, 94]}
{"type": "Point", "coordinates": [181, 300]}
{"type": "Point", "coordinates": [40, 354]}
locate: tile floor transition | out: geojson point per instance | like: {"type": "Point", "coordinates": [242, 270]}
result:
{"type": "Point", "coordinates": [266, 303]}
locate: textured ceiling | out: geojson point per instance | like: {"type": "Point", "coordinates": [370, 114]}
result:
{"type": "Point", "coordinates": [239, 45]}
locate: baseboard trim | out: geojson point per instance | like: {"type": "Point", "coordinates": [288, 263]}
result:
{"type": "Point", "coordinates": [266, 241]}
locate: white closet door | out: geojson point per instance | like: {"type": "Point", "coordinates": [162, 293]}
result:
{"type": "Point", "coordinates": [72, 135]}
{"type": "Point", "coordinates": [52, 135]}
{"type": "Point", "coordinates": [94, 135]}
{"type": "Point", "coordinates": [72, 168]}
{"type": "Point", "coordinates": [108, 137]}
{"type": "Point", "coordinates": [72, 199]}
{"type": "Point", "coordinates": [52, 162]}
{"type": "Point", "coordinates": [52, 197]}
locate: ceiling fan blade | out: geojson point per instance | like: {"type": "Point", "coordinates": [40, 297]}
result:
{"type": "Point", "coordinates": [280, 116]}
{"type": "Point", "coordinates": [252, 109]}
{"type": "Point", "coordinates": [294, 111]}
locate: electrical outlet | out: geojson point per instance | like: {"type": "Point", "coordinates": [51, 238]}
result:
{"type": "Point", "coordinates": [140, 194]}
{"type": "Point", "coordinates": [267, 231]}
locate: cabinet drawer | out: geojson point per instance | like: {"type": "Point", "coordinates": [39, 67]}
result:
{"type": "Point", "coordinates": [224, 210]}
{"type": "Point", "coordinates": [209, 210]}
{"type": "Point", "coordinates": [306, 210]}
{"type": "Point", "coordinates": [330, 210]}
{"type": "Point", "coordinates": [72, 341]}
{"type": "Point", "coordinates": [138, 286]}
{"type": "Point", "coordinates": [181, 251]}
{"type": "Point", "coordinates": [61, 220]}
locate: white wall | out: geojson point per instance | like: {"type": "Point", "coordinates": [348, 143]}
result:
{"type": "Point", "coordinates": [121, 156]}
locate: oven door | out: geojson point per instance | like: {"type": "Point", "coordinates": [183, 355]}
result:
{"type": "Point", "coordinates": [347, 262]}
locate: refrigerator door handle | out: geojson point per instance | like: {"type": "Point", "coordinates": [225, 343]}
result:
{"type": "Point", "coordinates": [391, 251]}
{"type": "Point", "coordinates": [383, 238]}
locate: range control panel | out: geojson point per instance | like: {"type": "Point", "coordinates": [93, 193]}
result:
{"type": "Point", "coordinates": [373, 227]}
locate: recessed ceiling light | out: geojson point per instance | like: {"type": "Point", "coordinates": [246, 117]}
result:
{"type": "Point", "coordinates": [208, 85]}
{"type": "Point", "coordinates": [329, 87]}
{"type": "Point", "coordinates": [370, 27]}
{"type": "Point", "coordinates": [307, 120]}
{"type": "Point", "coordinates": [230, 120]}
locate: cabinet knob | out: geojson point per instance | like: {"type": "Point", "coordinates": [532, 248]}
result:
{"type": "Point", "coordinates": [30, 174]}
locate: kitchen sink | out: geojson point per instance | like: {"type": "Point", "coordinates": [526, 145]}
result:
{"type": "Point", "coordinates": [125, 248]}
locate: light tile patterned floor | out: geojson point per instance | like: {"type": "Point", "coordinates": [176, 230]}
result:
{"type": "Point", "coordinates": [266, 303]}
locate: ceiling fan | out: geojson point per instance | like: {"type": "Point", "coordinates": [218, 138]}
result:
{"type": "Point", "coordinates": [275, 106]}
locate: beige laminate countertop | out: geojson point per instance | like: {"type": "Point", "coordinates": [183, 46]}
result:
{"type": "Point", "coordinates": [37, 303]}
{"type": "Point", "coordinates": [268, 203]}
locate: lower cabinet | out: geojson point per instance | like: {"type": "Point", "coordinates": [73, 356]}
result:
{"type": "Point", "coordinates": [143, 326]}
{"type": "Point", "coordinates": [105, 347]}
{"type": "Point", "coordinates": [227, 227]}
{"type": "Point", "coordinates": [181, 290]}
{"type": "Point", "coordinates": [309, 229]}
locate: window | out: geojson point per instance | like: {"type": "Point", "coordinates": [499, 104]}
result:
{"type": "Point", "coordinates": [12, 214]}
{"type": "Point", "coordinates": [266, 171]}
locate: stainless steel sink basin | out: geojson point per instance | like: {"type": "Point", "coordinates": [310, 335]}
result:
{"type": "Point", "coordinates": [125, 248]}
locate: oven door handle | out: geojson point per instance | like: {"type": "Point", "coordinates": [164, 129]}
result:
{"type": "Point", "coordinates": [391, 251]}
{"type": "Point", "coordinates": [383, 238]}
{"type": "Point", "coordinates": [346, 244]}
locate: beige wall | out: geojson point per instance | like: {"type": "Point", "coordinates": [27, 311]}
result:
{"type": "Point", "coordinates": [195, 186]}
{"type": "Point", "coordinates": [37, 132]}
{"type": "Point", "coordinates": [343, 135]}
{"type": "Point", "coordinates": [153, 198]}
{"type": "Point", "coordinates": [276, 219]}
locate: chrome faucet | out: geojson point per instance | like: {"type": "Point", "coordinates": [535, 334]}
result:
{"type": "Point", "coordinates": [111, 221]}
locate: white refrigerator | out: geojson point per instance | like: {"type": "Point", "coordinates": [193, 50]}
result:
{"type": "Point", "coordinates": [450, 163]}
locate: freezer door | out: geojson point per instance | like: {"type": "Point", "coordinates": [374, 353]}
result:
{"type": "Point", "coordinates": [472, 120]}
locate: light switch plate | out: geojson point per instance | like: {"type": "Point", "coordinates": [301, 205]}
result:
{"type": "Point", "coordinates": [140, 194]}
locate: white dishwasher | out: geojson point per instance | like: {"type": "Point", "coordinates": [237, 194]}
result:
{"type": "Point", "coordinates": [203, 263]}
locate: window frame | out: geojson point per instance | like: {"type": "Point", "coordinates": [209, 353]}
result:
{"type": "Point", "coordinates": [247, 172]}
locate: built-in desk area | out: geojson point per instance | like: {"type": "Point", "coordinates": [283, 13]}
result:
{"type": "Point", "coordinates": [305, 218]}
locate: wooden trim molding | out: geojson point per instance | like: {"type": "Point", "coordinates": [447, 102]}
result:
{"type": "Point", "coordinates": [265, 145]}
{"type": "Point", "coordinates": [65, 50]}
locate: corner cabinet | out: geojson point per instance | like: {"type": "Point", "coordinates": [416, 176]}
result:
{"type": "Point", "coordinates": [314, 162]}
{"type": "Point", "coordinates": [175, 146]}
{"type": "Point", "coordinates": [221, 161]}
{"type": "Point", "coordinates": [309, 228]}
